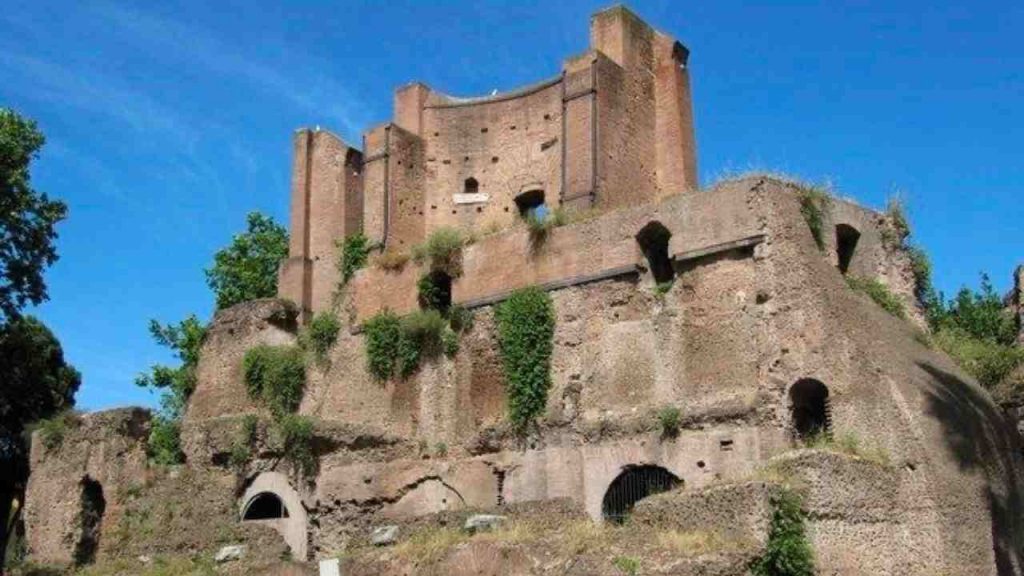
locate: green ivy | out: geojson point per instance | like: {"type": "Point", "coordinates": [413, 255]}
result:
{"type": "Point", "coordinates": [275, 376]}
{"type": "Point", "coordinates": [526, 327]}
{"type": "Point", "coordinates": [788, 551]}
{"type": "Point", "coordinates": [355, 252]}
{"type": "Point", "coordinates": [814, 203]}
{"type": "Point", "coordinates": [880, 293]}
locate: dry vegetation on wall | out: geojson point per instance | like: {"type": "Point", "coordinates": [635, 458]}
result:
{"type": "Point", "coordinates": [815, 202]}
{"type": "Point", "coordinates": [879, 293]}
{"type": "Point", "coordinates": [526, 328]}
{"type": "Point", "coordinates": [573, 539]}
{"type": "Point", "coordinates": [442, 251]}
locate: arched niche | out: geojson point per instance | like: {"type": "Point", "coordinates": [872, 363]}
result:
{"type": "Point", "coordinates": [271, 500]}
{"type": "Point", "coordinates": [653, 240]}
{"type": "Point", "coordinates": [633, 484]}
{"type": "Point", "coordinates": [846, 245]}
{"type": "Point", "coordinates": [809, 407]}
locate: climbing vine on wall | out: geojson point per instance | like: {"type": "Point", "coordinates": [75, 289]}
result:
{"type": "Point", "coordinates": [526, 328]}
{"type": "Point", "coordinates": [788, 551]}
{"type": "Point", "coordinates": [355, 251]}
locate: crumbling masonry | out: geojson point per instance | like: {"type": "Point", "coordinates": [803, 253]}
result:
{"type": "Point", "coordinates": [717, 302]}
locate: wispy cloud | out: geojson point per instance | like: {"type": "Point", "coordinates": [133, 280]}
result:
{"type": "Point", "coordinates": [92, 91]}
{"type": "Point", "coordinates": [303, 87]}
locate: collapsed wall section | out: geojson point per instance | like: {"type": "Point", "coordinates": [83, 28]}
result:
{"type": "Point", "coordinates": [72, 507]}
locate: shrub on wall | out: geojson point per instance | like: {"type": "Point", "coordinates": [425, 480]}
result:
{"type": "Point", "coordinates": [321, 333]}
{"type": "Point", "coordinates": [422, 336]}
{"type": "Point", "coordinates": [241, 448]}
{"type": "Point", "coordinates": [53, 430]}
{"type": "Point", "coordinates": [383, 335]}
{"type": "Point", "coordinates": [442, 251]}
{"type": "Point", "coordinates": [880, 293]}
{"type": "Point", "coordinates": [526, 327]}
{"type": "Point", "coordinates": [397, 345]}
{"type": "Point", "coordinates": [788, 552]}
{"type": "Point", "coordinates": [669, 419]}
{"type": "Point", "coordinates": [276, 376]}
{"type": "Point", "coordinates": [294, 436]}
{"type": "Point", "coordinates": [814, 203]}
{"type": "Point", "coordinates": [355, 251]}
{"type": "Point", "coordinates": [164, 443]}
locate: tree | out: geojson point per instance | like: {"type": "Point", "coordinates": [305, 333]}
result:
{"type": "Point", "coordinates": [247, 269]}
{"type": "Point", "coordinates": [244, 270]}
{"type": "Point", "coordinates": [185, 339]}
{"type": "Point", "coordinates": [37, 383]}
{"type": "Point", "coordinates": [27, 218]}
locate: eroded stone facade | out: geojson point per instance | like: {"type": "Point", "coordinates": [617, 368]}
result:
{"type": "Point", "coordinates": [754, 307]}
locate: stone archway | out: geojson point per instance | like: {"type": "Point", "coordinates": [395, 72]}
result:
{"type": "Point", "coordinates": [633, 484]}
{"type": "Point", "coordinates": [272, 501]}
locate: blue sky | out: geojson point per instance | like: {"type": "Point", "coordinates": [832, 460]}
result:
{"type": "Point", "coordinates": [167, 122]}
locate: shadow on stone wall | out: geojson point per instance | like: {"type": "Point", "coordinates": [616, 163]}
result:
{"type": "Point", "coordinates": [981, 439]}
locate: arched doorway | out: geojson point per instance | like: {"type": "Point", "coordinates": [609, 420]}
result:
{"type": "Point", "coordinates": [810, 408]}
{"type": "Point", "coordinates": [632, 485]}
{"type": "Point", "coordinates": [653, 240]}
{"type": "Point", "coordinates": [846, 245]}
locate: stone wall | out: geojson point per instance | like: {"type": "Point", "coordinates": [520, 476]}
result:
{"type": "Point", "coordinates": [104, 449]}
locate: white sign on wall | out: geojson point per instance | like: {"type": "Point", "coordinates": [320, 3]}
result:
{"type": "Point", "coordinates": [479, 198]}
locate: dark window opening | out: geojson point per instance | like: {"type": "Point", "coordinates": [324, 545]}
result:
{"type": "Point", "coordinates": [93, 505]}
{"type": "Point", "coordinates": [471, 186]}
{"type": "Point", "coordinates": [531, 205]}
{"type": "Point", "coordinates": [634, 484]}
{"type": "Point", "coordinates": [846, 244]}
{"type": "Point", "coordinates": [653, 239]}
{"type": "Point", "coordinates": [809, 399]}
{"type": "Point", "coordinates": [435, 291]}
{"type": "Point", "coordinates": [265, 506]}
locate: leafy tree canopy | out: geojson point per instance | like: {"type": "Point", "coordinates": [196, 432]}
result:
{"type": "Point", "coordinates": [27, 218]}
{"type": "Point", "coordinates": [982, 314]}
{"type": "Point", "coordinates": [247, 269]}
{"type": "Point", "coordinates": [185, 339]}
{"type": "Point", "coordinates": [37, 381]}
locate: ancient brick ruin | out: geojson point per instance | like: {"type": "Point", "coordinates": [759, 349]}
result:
{"type": "Point", "coordinates": [717, 302]}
